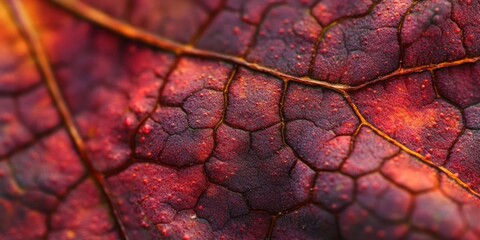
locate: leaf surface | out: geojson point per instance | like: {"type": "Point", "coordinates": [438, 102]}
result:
{"type": "Point", "coordinates": [240, 119]}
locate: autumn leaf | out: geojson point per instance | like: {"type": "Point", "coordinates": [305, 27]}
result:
{"type": "Point", "coordinates": [219, 119]}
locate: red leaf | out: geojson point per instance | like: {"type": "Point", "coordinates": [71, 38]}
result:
{"type": "Point", "coordinates": [277, 119]}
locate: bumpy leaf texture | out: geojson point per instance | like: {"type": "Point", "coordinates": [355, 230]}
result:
{"type": "Point", "coordinates": [226, 119]}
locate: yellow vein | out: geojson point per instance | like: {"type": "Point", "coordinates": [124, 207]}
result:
{"type": "Point", "coordinates": [429, 163]}
{"type": "Point", "coordinates": [131, 32]}
{"type": "Point", "coordinates": [39, 55]}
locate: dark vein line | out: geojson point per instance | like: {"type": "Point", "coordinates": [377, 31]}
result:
{"type": "Point", "coordinates": [19, 92]}
{"type": "Point", "coordinates": [399, 31]}
{"type": "Point", "coordinates": [319, 40]}
{"type": "Point", "coordinates": [205, 25]}
{"type": "Point", "coordinates": [132, 139]}
{"type": "Point", "coordinates": [437, 92]}
{"type": "Point", "coordinates": [462, 114]}
{"type": "Point", "coordinates": [273, 222]}
{"type": "Point", "coordinates": [62, 198]}
{"type": "Point", "coordinates": [35, 139]}
{"type": "Point", "coordinates": [462, 33]}
{"type": "Point", "coordinates": [258, 27]}
{"type": "Point", "coordinates": [281, 110]}
{"type": "Point", "coordinates": [40, 57]}
{"type": "Point", "coordinates": [329, 26]}
{"type": "Point", "coordinates": [225, 97]}
{"type": "Point", "coordinates": [353, 143]}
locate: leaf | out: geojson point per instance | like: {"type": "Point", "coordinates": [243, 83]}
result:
{"type": "Point", "coordinates": [239, 119]}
